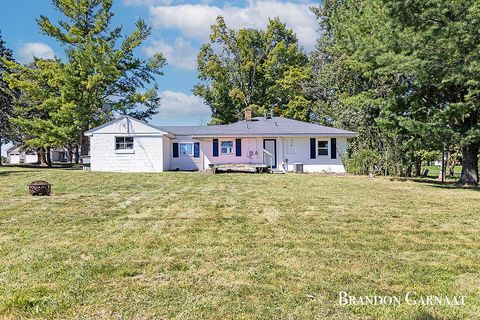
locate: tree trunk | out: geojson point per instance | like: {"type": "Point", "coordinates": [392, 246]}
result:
{"type": "Point", "coordinates": [451, 169]}
{"type": "Point", "coordinates": [1, 158]}
{"type": "Point", "coordinates": [418, 166]}
{"type": "Point", "coordinates": [49, 156]}
{"type": "Point", "coordinates": [470, 164]}
{"type": "Point", "coordinates": [452, 161]}
{"type": "Point", "coordinates": [443, 166]}
{"type": "Point", "coordinates": [42, 159]}
{"type": "Point", "coordinates": [85, 146]}
{"type": "Point", "coordinates": [70, 155]}
{"type": "Point", "coordinates": [77, 154]}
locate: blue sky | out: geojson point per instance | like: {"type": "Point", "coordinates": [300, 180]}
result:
{"type": "Point", "coordinates": [178, 30]}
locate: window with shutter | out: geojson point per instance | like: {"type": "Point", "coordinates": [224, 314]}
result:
{"type": "Point", "coordinates": [333, 148]}
{"type": "Point", "coordinates": [238, 147]}
{"type": "Point", "coordinates": [196, 149]}
{"type": "Point", "coordinates": [215, 147]}
{"type": "Point", "coordinates": [175, 150]}
{"type": "Point", "coordinates": [313, 154]}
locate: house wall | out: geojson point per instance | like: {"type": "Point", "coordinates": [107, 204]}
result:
{"type": "Point", "coordinates": [14, 159]}
{"type": "Point", "coordinates": [252, 151]}
{"type": "Point", "coordinates": [58, 156]}
{"type": "Point", "coordinates": [295, 149]}
{"type": "Point", "coordinates": [17, 158]}
{"type": "Point", "coordinates": [167, 153]}
{"type": "Point", "coordinates": [146, 156]}
{"type": "Point", "coordinates": [298, 150]}
{"type": "Point", "coordinates": [31, 158]}
{"type": "Point", "coordinates": [186, 162]}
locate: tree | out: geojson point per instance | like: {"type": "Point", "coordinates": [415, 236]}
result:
{"type": "Point", "coordinates": [446, 43]}
{"type": "Point", "coordinates": [418, 61]}
{"type": "Point", "coordinates": [101, 76]}
{"type": "Point", "coordinates": [5, 96]}
{"type": "Point", "coordinates": [38, 107]}
{"type": "Point", "coordinates": [261, 69]}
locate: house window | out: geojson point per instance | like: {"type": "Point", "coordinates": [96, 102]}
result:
{"type": "Point", "coordinates": [186, 149]}
{"type": "Point", "coordinates": [123, 143]}
{"type": "Point", "coordinates": [226, 147]}
{"type": "Point", "coordinates": [322, 148]}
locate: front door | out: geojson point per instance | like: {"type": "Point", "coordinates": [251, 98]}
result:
{"type": "Point", "coordinates": [270, 145]}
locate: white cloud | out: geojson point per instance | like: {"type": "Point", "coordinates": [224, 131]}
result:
{"type": "Point", "coordinates": [182, 108]}
{"type": "Point", "coordinates": [194, 20]}
{"type": "Point", "coordinates": [35, 49]}
{"type": "Point", "coordinates": [181, 54]}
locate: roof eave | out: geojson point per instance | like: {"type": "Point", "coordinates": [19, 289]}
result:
{"type": "Point", "coordinates": [90, 132]}
{"type": "Point", "coordinates": [344, 134]}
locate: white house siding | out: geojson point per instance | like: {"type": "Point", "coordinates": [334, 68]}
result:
{"type": "Point", "coordinates": [252, 151]}
{"type": "Point", "coordinates": [14, 159]}
{"type": "Point", "coordinates": [147, 155]}
{"type": "Point", "coordinates": [167, 153]}
{"type": "Point", "coordinates": [295, 149]}
{"type": "Point", "coordinates": [26, 158]}
{"type": "Point", "coordinates": [31, 158]}
{"type": "Point", "coordinates": [185, 162]}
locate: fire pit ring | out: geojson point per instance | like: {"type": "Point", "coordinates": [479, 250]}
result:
{"type": "Point", "coordinates": [40, 188]}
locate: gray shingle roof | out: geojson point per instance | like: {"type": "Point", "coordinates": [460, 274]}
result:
{"type": "Point", "coordinates": [258, 126]}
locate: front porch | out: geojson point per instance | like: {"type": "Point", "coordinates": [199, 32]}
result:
{"type": "Point", "coordinates": [240, 167]}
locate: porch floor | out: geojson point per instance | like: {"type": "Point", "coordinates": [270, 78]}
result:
{"type": "Point", "coordinates": [240, 167]}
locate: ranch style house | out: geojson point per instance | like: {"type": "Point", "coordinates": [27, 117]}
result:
{"type": "Point", "coordinates": [127, 144]}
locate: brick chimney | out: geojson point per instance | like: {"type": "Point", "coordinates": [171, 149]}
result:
{"type": "Point", "coordinates": [248, 113]}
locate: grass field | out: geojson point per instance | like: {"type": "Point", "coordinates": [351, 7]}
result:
{"type": "Point", "coordinates": [233, 246]}
{"type": "Point", "coordinates": [434, 171]}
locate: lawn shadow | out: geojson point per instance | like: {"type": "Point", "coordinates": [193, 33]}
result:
{"type": "Point", "coordinates": [4, 173]}
{"type": "Point", "coordinates": [434, 183]}
{"type": "Point", "coordinates": [10, 172]}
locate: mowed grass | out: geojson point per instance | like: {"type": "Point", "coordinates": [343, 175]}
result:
{"type": "Point", "coordinates": [233, 246]}
{"type": "Point", "coordinates": [434, 171]}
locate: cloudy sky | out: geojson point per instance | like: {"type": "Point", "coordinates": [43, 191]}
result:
{"type": "Point", "coordinates": [179, 28]}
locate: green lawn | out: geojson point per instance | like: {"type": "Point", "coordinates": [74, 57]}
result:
{"type": "Point", "coordinates": [233, 246]}
{"type": "Point", "coordinates": [434, 171]}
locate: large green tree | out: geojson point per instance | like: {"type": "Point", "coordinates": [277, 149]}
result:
{"type": "Point", "coordinates": [261, 69]}
{"type": "Point", "coordinates": [101, 76]}
{"type": "Point", "coordinates": [39, 111]}
{"type": "Point", "coordinates": [417, 61]}
{"type": "Point", "coordinates": [5, 96]}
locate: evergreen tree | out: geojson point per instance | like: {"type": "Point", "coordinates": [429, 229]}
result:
{"type": "Point", "coordinates": [5, 96]}
{"type": "Point", "coordinates": [39, 111]}
{"type": "Point", "coordinates": [101, 76]}
{"type": "Point", "coordinates": [416, 63]}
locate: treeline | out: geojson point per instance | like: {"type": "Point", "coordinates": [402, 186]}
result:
{"type": "Point", "coordinates": [404, 75]}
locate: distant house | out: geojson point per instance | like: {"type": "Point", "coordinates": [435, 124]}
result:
{"type": "Point", "coordinates": [127, 144]}
{"type": "Point", "coordinates": [18, 155]}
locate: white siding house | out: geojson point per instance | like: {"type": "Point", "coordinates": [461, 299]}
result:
{"type": "Point", "coordinates": [16, 155]}
{"type": "Point", "coordinates": [129, 145]}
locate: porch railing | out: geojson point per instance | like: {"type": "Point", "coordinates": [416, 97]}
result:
{"type": "Point", "coordinates": [268, 159]}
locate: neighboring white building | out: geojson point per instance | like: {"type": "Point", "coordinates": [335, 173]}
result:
{"type": "Point", "coordinates": [17, 155]}
{"type": "Point", "coordinates": [129, 145]}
